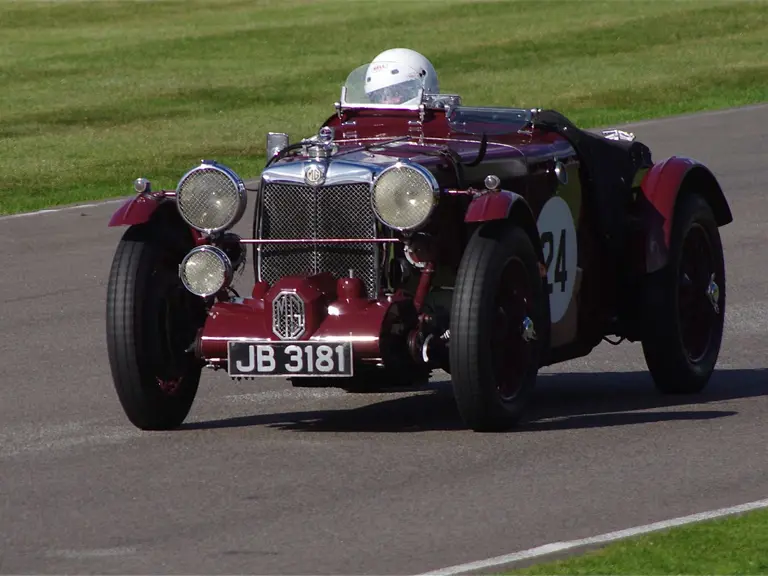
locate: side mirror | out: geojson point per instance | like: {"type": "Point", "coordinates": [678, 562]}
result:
{"type": "Point", "coordinates": [276, 141]}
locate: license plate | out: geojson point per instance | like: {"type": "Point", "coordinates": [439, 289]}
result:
{"type": "Point", "coordinates": [290, 359]}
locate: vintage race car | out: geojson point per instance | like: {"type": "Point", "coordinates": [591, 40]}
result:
{"type": "Point", "coordinates": [487, 242]}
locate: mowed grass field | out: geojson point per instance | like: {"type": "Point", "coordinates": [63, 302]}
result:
{"type": "Point", "coordinates": [96, 93]}
{"type": "Point", "coordinates": [729, 546]}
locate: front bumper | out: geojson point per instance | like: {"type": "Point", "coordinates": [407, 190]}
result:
{"type": "Point", "coordinates": [332, 312]}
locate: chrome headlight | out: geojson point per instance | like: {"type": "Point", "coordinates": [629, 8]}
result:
{"type": "Point", "coordinates": [404, 196]}
{"type": "Point", "coordinates": [211, 197]}
{"type": "Point", "coordinates": [205, 270]}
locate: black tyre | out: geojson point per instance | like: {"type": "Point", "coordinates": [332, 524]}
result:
{"type": "Point", "coordinates": [685, 303]}
{"type": "Point", "coordinates": [151, 322]}
{"type": "Point", "coordinates": [494, 362]}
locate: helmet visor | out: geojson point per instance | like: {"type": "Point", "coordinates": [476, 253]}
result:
{"type": "Point", "coordinates": [383, 84]}
{"type": "Point", "coordinates": [397, 93]}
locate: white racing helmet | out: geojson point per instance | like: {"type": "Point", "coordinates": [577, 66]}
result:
{"type": "Point", "coordinates": [396, 75]}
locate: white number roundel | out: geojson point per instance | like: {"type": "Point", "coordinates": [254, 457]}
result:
{"type": "Point", "coordinates": [559, 246]}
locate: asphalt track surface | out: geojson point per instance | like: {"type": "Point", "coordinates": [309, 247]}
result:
{"type": "Point", "coordinates": [265, 478]}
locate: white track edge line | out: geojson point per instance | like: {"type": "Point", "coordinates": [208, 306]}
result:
{"type": "Point", "coordinates": [602, 538]}
{"type": "Point", "coordinates": [63, 208]}
{"type": "Point", "coordinates": [679, 117]}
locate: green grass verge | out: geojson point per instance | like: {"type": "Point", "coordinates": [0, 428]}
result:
{"type": "Point", "coordinates": [733, 545]}
{"type": "Point", "coordinates": [95, 93]}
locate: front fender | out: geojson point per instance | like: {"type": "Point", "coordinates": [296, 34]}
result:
{"type": "Point", "coordinates": [136, 210]}
{"type": "Point", "coordinates": [505, 205]}
{"type": "Point", "coordinates": [661, 186]}
{"type": "Point", "coordinates": [492, 206]}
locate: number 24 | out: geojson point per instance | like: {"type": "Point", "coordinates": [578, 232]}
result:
{"type": "Point", "coordinates": [561, 274]}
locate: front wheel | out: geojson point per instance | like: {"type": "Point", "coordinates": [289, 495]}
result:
{"type": "Point", "coordinates": [685, 303]}
{"type": "Point", "coordinates": [151, 322]}
{"type": "Point", "coordinates": [498, 305]}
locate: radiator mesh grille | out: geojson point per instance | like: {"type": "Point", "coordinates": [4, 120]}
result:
{"type": "Point", "coordinates": [293, 211]}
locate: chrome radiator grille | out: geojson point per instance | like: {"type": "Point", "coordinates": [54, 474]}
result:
{"type": "Point", "coordinates": [292, 211]}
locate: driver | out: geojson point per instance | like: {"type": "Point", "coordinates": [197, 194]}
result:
{"type": "Point", "coordinates": [396, 75]}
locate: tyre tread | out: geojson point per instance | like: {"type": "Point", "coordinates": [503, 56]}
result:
{"type": "Point", "coordinates": [671, 371]}
{"type": "Point", "coordinates": [475, 287]}
{"type": "Point", "coordinates": [144, 405]}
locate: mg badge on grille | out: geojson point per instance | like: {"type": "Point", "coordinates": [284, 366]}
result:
{"type": "Point", "coordinates": [288, 320]}
{"type": "Point", "coordinates": [314, 174]}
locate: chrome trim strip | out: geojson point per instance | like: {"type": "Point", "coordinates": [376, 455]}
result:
{"type": "Point", "coordinates": [340, 339]}
{"type": "Point", "coordinates": [236, 339]}
{"type": "Point", "coordinates": [337, 172]}
{"type": "Point", "coordinates": [344, 339]}
{"type": "Point", "coordinates": [324, 241]}
{"type": "Point", "coordinates": [414, 141]}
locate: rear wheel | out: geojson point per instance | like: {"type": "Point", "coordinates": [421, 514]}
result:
{"type": "Point", "coordinates": [685, 303]}
{"type": "Point", "coordinates": [498, 304]}
{"type": "Point", "coordinates": [151, 322]}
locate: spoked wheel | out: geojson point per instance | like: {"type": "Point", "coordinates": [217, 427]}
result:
{"type": "Point", "coordinates": [152, 320]}
{"type": "Point", "coordinates": [698, 293]}
{"type": "Point", "coordinates": [494, 350]}
{"type": "Point", "coordinates": [685, 303]}
{"type": "Point", "coordinates": [513, 329]}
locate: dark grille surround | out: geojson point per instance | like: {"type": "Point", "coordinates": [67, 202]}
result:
{"type": "Point", "coordinates": [295, 211]}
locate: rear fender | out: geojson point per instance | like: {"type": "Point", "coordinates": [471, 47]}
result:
{"type": "Point", "coordinates": [661, 186]}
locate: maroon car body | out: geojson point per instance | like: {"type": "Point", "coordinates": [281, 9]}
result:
{"type": "Point", "coordinates": [624, 246]}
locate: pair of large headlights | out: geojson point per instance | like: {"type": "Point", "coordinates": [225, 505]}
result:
{"type": "Point", "coordinates": [212, 198]}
